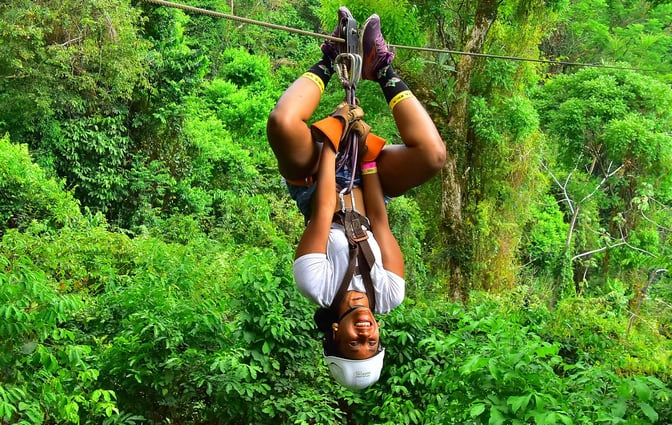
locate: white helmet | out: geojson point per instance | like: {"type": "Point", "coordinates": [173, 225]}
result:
{"type": "Point", "coordinates": [356, 374]}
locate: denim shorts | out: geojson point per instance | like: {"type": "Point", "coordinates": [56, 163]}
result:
{"type": "Point", "coordinates": [303, 195]}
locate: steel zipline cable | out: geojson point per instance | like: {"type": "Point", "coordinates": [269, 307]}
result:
{"type": "Point", "coordinates": [241, 19]}
{"type": "Point", "coordinates": [423, 49]}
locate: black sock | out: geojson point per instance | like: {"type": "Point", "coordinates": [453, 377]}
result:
{"type": "Point", "coordinates": [390, 83]}
{"type": "Point", "coordinates": [323, 70]}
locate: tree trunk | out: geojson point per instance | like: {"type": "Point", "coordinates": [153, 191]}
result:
{"type": "Point", "coordinates": [452, 188]}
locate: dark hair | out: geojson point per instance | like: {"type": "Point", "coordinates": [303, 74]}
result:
{"type": "Point", "coordinates": [324, 317]}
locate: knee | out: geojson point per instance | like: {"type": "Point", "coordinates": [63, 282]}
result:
{"type": "Point", "coordinates": [283, 128]}
{"type": "Point", "coordinates": [277, 125]}
{"type": "Point", "coordinates": [436, 154]}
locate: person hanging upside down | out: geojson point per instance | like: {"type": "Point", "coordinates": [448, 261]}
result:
{"type": "Point", "coordinates": [400, 167]}
{"type": "Point", "coordinates": [306, 158]}
{"type": "Point", "coordinates": [351, 333]}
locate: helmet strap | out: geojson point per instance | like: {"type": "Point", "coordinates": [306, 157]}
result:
{"type": "Point", "coordinates": [348, 311]}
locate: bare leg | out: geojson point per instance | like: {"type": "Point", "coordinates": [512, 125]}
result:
{"type": "Point", "coordinates": [288, 132]}
{"type": "Point", "coordinates": [423, 153]}
{"type": "Point", "coordinates": [402, 167]}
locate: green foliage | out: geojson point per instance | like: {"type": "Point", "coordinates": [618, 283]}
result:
{"type": "Point", "coordinates": [544, 240]}
{"type": "Point", "coordinates": [615, 32]}
{"type": "Point", "coordinates": [91, 154]}
{"type": "Point", "coordinates": [245, 219]}
{"type": "Point", "coordinates": [243, 100]}
{"type": "Point", "coordinates": [215, 334]}
{"type": "Point", "coordinates": [504, 177]}
{"type": "Point", "coordinates": [47, 372]}
{"type": "Point", "coordinates": [595, 331]}
{"type": "Point", "coordinates": [283, 47]}
{"type": "Point", "coordinates": [613, 140]}
{"type": "Point", "coordinates": [399, 21]}
{"type": "Point", "coordinates": [447, 364]}
{"type": "Point", "coordinates": [616, 116]}
{"type": "Point", "coordinates": [76, 69]}
{"type": "Point", "coordinates": [410, 231]}
{"type": "Point", "coordinates": [185, 311]}
{"type": "Point", "coordinates": [217, 161]}
{"type": "Point", "coordinates": [66, 59]}
{"type": "Point", "coordinates": [161, 326]}
{"type": "Point", "coordinates": [496, 151]}
{"type": "Point", "coordinates": [28, 195]}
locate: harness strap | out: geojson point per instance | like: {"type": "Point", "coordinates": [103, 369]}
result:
{"type": "Point", "coordinates": [359, 252]}
{"type": "Point", "coordinates": [366, 274]}
{"type": "Point", "coordinates": [349, 273]}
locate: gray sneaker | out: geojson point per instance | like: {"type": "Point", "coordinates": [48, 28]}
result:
{"type": "Point", "coordinates": [330, 47]}
{"type": "Point", "coordinates": [375, 52]}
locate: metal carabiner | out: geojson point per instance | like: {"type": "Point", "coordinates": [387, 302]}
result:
{"type": "Point", "coordinates": [340, 197]}
{"type": "Point", "coordinates": [348, 65]}
{"type": "Point", "coordinates": [341, 66]}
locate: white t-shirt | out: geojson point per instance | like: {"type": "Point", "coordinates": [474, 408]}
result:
{"type": "Point", "coordinates": [319, 276]}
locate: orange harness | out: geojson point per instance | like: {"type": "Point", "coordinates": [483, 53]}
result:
{"type": "Point", "coordinates": [330, 130]}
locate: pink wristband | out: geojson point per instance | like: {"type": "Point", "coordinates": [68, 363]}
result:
{"type": "Point", "coordinates": [367, 165]}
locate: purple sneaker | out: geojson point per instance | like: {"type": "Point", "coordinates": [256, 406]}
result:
{"type": "Point", "coordinates": [330, 47]}
{"type": "Point", "coordinates": [375, 52]}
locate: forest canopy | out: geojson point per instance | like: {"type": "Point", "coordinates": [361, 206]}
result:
{"type": "Point", "coordinates": [147, 238]}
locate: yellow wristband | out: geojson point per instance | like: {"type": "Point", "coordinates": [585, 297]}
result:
{"type": "Point", "coordinates": [315, 79]}
{"type": "Point", "coordinates": [372, 170]}
{"type": "Point", "coordinates": [406, 94]}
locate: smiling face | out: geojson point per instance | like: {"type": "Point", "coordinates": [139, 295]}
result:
{"type": "Point", "coordinates": [357, 333]}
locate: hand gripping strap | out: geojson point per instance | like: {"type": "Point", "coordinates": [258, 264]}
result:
{"type": "Point", "coordinates": [348, 113]}
{"type": "Point", "coordinates": [336, 127]}
{"type": "Point", "coordinates": [329, 130]}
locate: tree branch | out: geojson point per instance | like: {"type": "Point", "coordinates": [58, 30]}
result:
{"type": "Point", "coordinates": [595, 251]}
{"type": "Point", "coordinates": [604, 179]}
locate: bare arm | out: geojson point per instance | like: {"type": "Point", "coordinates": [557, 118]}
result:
{"type": "Point", "coordinates": [316, 235]}
{"type": "Point", "coordinates": [376, 211]}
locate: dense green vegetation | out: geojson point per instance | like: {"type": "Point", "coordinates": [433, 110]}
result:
{"type": "Point", "coordinates": [146, 238]}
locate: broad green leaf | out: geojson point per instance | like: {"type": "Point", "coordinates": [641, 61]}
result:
{"type": "Point", "coordinates": [266, 348]}
{"type": "Point", "coordinates": [473, 363]}
{"type": "Point", "coordinates": [477, 410]}
{"type": "Point", "coordinates": [649, 411]}
{"type": "Point", "coordinates": [642, 390]}
{"type": "Point", "coordinates": [619, 408]}
{"type": "Point", "coordinates": [496, 417]}
{"type": "Point", "coordinates": [518, 402]}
